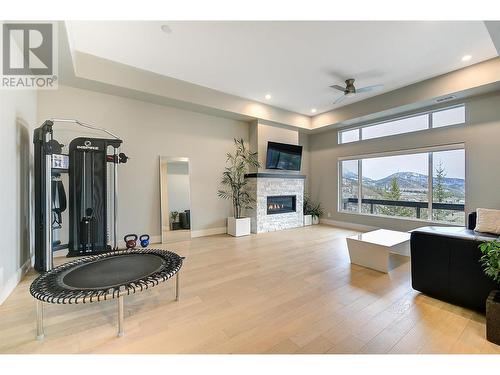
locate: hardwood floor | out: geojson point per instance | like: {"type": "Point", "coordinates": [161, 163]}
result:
{"type": "Point", "coordinates": [284, 292]}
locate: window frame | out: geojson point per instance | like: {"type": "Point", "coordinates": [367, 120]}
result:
{"type": "Point", "coordinates": [430, 126]}
{"type": "Point", "coordinates": [430, 169]}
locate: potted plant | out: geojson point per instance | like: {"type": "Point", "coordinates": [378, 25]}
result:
{"type": "Point", "coordinates": [491, 263]}
{"type": "Point", "coordinates": [307, 207]}
{"type": "Point", "coordinates": [235, 187]}
{"type": "Point", "coordinates": [316, 211]}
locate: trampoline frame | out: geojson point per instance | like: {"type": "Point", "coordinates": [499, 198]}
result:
{"type": "Point", "coordinates": [118, 292]}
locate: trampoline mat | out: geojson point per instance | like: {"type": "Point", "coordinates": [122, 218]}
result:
{"type": "Point", "coordinates": [111, 271]}
{"type": "Point", "coordinates": [99, 277]}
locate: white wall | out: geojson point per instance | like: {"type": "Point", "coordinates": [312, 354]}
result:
{"type": "Point", "coordinates": [480, 135]}
{"type": "Point", "coordinates": [148, 131]}
{"type": "Point", "coordinates": [17, 121]}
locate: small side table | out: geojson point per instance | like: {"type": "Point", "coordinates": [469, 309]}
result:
{"type": "Point", "coordinates": [372, 249]}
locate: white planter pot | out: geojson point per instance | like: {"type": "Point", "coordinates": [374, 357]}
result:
{"type": "Point", "coordinates": [308, 220]}
{"type": "Point", "coordinates": [315, 220]}
{"type": "Point", "coordinates": [238, 227]}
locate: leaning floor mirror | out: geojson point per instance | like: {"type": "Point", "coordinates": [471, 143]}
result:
{"type": "Point", "coordinates": [175, 202]}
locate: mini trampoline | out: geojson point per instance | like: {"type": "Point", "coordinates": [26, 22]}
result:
{"type": "Point", "coordinates": [103, 277]}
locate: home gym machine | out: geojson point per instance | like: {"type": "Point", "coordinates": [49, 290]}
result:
{"type": "Point", "coordinates": [92, 168]}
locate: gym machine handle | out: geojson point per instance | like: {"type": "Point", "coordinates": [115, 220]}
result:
{"type": "Point", "coordinates": [121, 158]}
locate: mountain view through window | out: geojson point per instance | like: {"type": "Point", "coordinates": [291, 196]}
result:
{"type": "Point", "coordinates": [400, 186]}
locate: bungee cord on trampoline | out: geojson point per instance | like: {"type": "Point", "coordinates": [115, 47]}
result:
{"type": "Point", "coordinates": [50, 286]}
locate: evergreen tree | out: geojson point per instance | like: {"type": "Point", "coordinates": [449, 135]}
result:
{"type": "Point", "coordinates": [439, 192]}
{"type": "Point", "coordinates": [394, 194]}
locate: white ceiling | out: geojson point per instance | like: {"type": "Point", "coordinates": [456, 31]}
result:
{"type": "Point", "coordinates": [295, 62]}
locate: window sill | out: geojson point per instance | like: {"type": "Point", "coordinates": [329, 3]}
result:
{"type": "Point", "coordinates": [411, 219]}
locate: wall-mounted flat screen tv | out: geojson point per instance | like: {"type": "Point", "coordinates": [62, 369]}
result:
{"type": "Point", "coordinates": [283, 156]}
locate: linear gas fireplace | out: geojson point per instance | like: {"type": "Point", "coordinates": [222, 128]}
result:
{"type": "Point", "coordinates": [280, 204]}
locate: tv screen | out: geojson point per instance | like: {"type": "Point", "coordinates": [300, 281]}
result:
{"type": "Point", "coordinates": [283, 156]}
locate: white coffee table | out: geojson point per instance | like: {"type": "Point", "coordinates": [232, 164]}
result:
{"type": "Point", "coordinates": [372, 249]}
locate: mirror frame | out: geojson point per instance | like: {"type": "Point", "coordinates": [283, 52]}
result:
{"type": "Point", "coordinates": [173, 159]}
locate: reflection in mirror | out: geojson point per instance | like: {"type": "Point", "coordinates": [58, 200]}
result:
{"type": "Point", "coordinates": [175, 199]}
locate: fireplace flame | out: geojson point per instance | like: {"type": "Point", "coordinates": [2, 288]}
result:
{"type": "Point", "coordinates": [275, 206]}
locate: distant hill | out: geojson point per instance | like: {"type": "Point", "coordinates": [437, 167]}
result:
{"type": "Point", "coordinates": [410, 181]}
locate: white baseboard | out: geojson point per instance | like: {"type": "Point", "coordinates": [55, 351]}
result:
{"type": "Point", "coordinates": [14, 280]}
{"type": "Point", "coordinates": [208, 232]}
{"type": "Point", "coordinates": [347, 225]}
{"type": "Point", "coordinates": [120, 244]}
{"type": "Point", "coordinates": [152, 240]}
{"type": "Point", "coordinates": [155, 239]}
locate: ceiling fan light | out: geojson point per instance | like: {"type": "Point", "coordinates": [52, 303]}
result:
{"type": "Point", "coordinates": [349, 94]}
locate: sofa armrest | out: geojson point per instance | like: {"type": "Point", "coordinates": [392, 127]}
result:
{"type": "Point", "coordinates": [430, 259]}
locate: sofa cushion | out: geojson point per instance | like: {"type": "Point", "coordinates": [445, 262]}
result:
{"type": "Point", "coordinates": [488, 221]}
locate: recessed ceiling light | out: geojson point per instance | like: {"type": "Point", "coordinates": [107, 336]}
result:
{"type": "Point", "coordinates": [466, 58]}
{"type": "Point", "coordinates": [166, 29]}
{"type": "Point", "coordinates": [314, 110]}
{"type": "Point", "coordinates": [268, 96]}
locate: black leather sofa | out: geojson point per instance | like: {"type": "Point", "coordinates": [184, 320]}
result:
{"type": "Point", "coordinates": [445, 264]}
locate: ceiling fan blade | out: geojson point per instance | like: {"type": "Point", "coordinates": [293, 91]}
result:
{"type": "Point", "coordinates": [369, 88]}
{"type": "Point", "coordinates": [337, 87]}
{"type": "Point", "coordinates": [340, 99]}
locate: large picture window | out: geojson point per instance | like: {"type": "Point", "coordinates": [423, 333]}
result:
{"type": "Point", "coordinates": [425, 184]}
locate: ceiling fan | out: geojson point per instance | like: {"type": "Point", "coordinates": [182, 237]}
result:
{"type": "Point", "coordinates": [349, 90]}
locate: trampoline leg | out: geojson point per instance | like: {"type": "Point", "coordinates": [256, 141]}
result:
{"type": "Point", "coordinates": [177, 286]}
{"type": "Point", "coordinates": [120, 316]}
{"type": "Point", "coordinates": [39, 320]}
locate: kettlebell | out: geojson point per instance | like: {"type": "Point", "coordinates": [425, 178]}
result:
{"type": "Point", "coordinates": [144, 240]}
{"type": "Point", "coordinates": [130, 241]}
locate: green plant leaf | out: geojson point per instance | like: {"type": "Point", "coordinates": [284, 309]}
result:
{"type": "Point", "coordinates": [233, 177]}
{"type": "Point", "coordinates": [490, 260]}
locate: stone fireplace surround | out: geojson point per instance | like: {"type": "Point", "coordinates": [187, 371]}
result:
{"type": "Point", "coordinates": [264, 185]}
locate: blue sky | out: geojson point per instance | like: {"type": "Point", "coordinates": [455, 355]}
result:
{"type": "Point", "coordinates": [377, 168]}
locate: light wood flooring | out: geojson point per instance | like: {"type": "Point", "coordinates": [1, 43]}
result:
{"type": "Point", "coordinates": [170, 236]}
{"type": "Point", "coordinates": [292, 291]}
